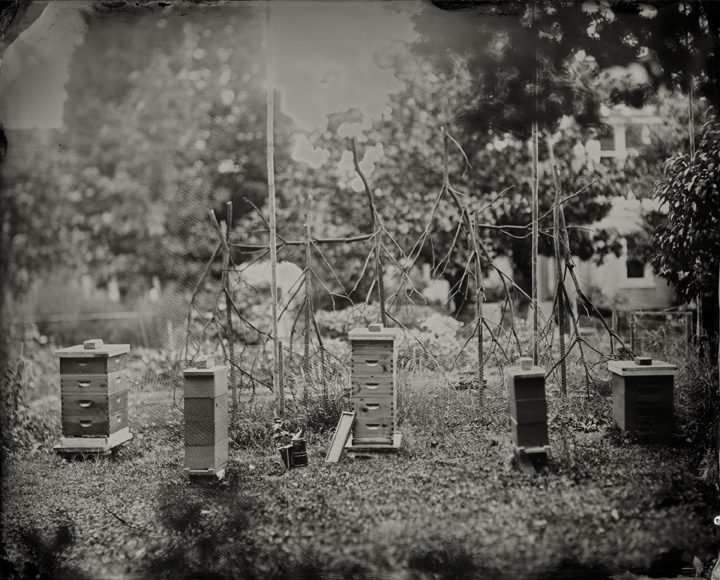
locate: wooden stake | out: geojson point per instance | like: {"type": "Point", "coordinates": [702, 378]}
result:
{"type": "Point", "coordinates": [308, 294]}
{"type": "Point", "coordinates": [560, 298]}
{"type": "Point", "coordinates": [277, 386]}
{"type": "Point", "coordinates": [228, 306]}
{"type": "Point", "coordinates": [535, 207]}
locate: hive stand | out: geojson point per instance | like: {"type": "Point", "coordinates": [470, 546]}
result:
{"type": "Point", "coordinates": [528, 415]}
{"type": "Point", "coordinates": [94, 397]}
{"type": "Point", "coordinates": [643, 392]}
{"type": "Point", "coordinates": [206, 419]}
{"type": "Point", "coordinates": [374, 392]}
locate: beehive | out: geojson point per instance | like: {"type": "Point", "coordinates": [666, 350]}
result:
{"type": "Point", "coordinates": [528, 407]}
{"type": "Point", "coordinates": [373, 376]}
{"type": "Point", "coordinates": [94, 394]}
{"type": "Point", "coordinates": [206, 419]}
{"type": "Point", "coordinates": [643, 395]}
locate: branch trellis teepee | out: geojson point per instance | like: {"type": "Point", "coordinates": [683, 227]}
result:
{"type": "Point", "coordinates": [379, 251]}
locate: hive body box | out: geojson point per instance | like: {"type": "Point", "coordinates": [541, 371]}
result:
{"type": "Point", "coordinates": [528, 407]}
{"type": "Point", "coordinates": [374, 393]}
{"type": "Point", "coordinates": [643, 396]}
{"type": "Point", "coordinates": [94, 397]}
{"type": "Point", "coordinates": [206, 420]}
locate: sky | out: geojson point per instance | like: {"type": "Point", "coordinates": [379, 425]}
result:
{"type": "Point", "coordinates": [322, 57]}
{"type": "Point", "coordinates": [35, 67]}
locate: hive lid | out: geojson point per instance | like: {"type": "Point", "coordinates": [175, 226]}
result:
{"type": "Point", "coordinates": [532, 373]}
{"type": "Point", "coordinates": [374, 332]}
{"type": "Point", "coordinates": [210, 371]}
{"type": "Point", "coordinates": [626, 368]}
{"type": "Point", "coordinates": [105, 350]}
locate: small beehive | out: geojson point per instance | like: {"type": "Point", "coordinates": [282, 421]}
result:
{"type": "Point", "coordinates": [206, 418]}
{"type": "Point", "coordinates": [643, 395]}
{"type": "Point", "coordinates": [528, 406]}
{"type": "Point", "coordinates": [94, 395]}
{"type": "Point", "coordinates": [374, 393]}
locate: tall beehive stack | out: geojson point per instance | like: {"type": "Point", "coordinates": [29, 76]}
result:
{"type": "Point", "coordinates": [374, 393]}
{"type": "Point", "coordinates": [528, 406]}
{"type": "Point", "coordinates": [643, 395]}
{"type": "Point", "coordinates": [94, 392]}
{"type": "Point", "coordinates": [206, 418]}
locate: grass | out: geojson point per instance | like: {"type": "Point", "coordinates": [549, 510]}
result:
{"type": "Point", "coordinates": [450, 504]}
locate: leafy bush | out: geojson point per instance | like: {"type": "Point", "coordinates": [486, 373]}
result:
{"type": "Point", "coordinates": [22, 427]}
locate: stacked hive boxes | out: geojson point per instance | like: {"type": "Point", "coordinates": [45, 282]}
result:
{"type": "Point", "coordinates": [528, 407]}
{"type": "Point", "coordinates": [643, 395]}
{"type": "Point", "coordinates": [374, 357]}
{"type": "Point", "coordinates": [206, 418]}
{"type": "Point", "coordinates": [94, 391]}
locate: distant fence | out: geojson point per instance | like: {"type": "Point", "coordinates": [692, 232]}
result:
{"type": "Point", "coordinates": [87, 317]}
{"type": "Point", "coordinates": [642, 327]}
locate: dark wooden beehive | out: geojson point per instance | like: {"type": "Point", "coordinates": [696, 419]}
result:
{"type": "Point", "coordinates": [528, 407]}
{"type": "Point", "coordinates": [643, 396]}
{"type": "Point", "coordinates": [374, 393]}
{"type": "Point", "coordinates": [94, 390]}
{"type": "Point", "coordinates": [206, 419]}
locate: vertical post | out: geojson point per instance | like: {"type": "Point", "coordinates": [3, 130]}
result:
{"type": "Point", "coordinates": [479, 299]}
{"type": "Point", "coordinates": [559, 273]}
{"type": "Point", "coordinates": [699, 330]}
{"type": "Point", "coordinates": [633, 332]}
{"type": "Point", "coordinates": [614, 327]}
{"type": "Point", "coordinates": [277, 386]}
{"type": "Point", "coordinates": [535, 205]}
{"type": "Point", "coordinates": [228, 304]}
{"type": "Point", "coordinates": [308, 294]}
{"type": "Point", "coordinates": [281, 368]}
{"type": "Point", "coordinates": [323, 365]}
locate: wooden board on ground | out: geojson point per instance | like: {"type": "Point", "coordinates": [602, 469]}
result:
{"type": "Point", "coordinates": [204, 474]}
{"type": "Point", "coordinates": [368, 450]}
{"type": "Point", "coordinates": [93, 443]}
{"type": "Point", "coordinates": [340, 438]}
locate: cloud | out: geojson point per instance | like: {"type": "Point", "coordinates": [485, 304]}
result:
{"type": "Point", "coordinates": [323, 57]}
{"type": "Point", "coordinates": [35, 67]}
{"type": "Point", "coordinates": [304, 151]}
{"type": "Point", "coordinates": [353, 129]}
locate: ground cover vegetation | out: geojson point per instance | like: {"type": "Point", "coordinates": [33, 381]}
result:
{"type": "Point", "coordinates": [450, 504]}
{"type": "Point", "coordinates": [175, 127]}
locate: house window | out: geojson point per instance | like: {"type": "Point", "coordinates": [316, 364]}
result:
{"type": "Point", "coordinates": [606, 136]}
{"type": "Point", "coordinates": [635, 268]}
{"type": "Point", "coordinates": [637, 136]}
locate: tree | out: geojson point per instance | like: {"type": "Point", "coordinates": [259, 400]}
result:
{"type": "Point", "coordinates": [407, 163]}
{"type": "Point", "coordinates": [164, 119]}
{"type": "Point", "coordinates": [688, 243]}
{"type": "Point", "coordinates": [507, 44]}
